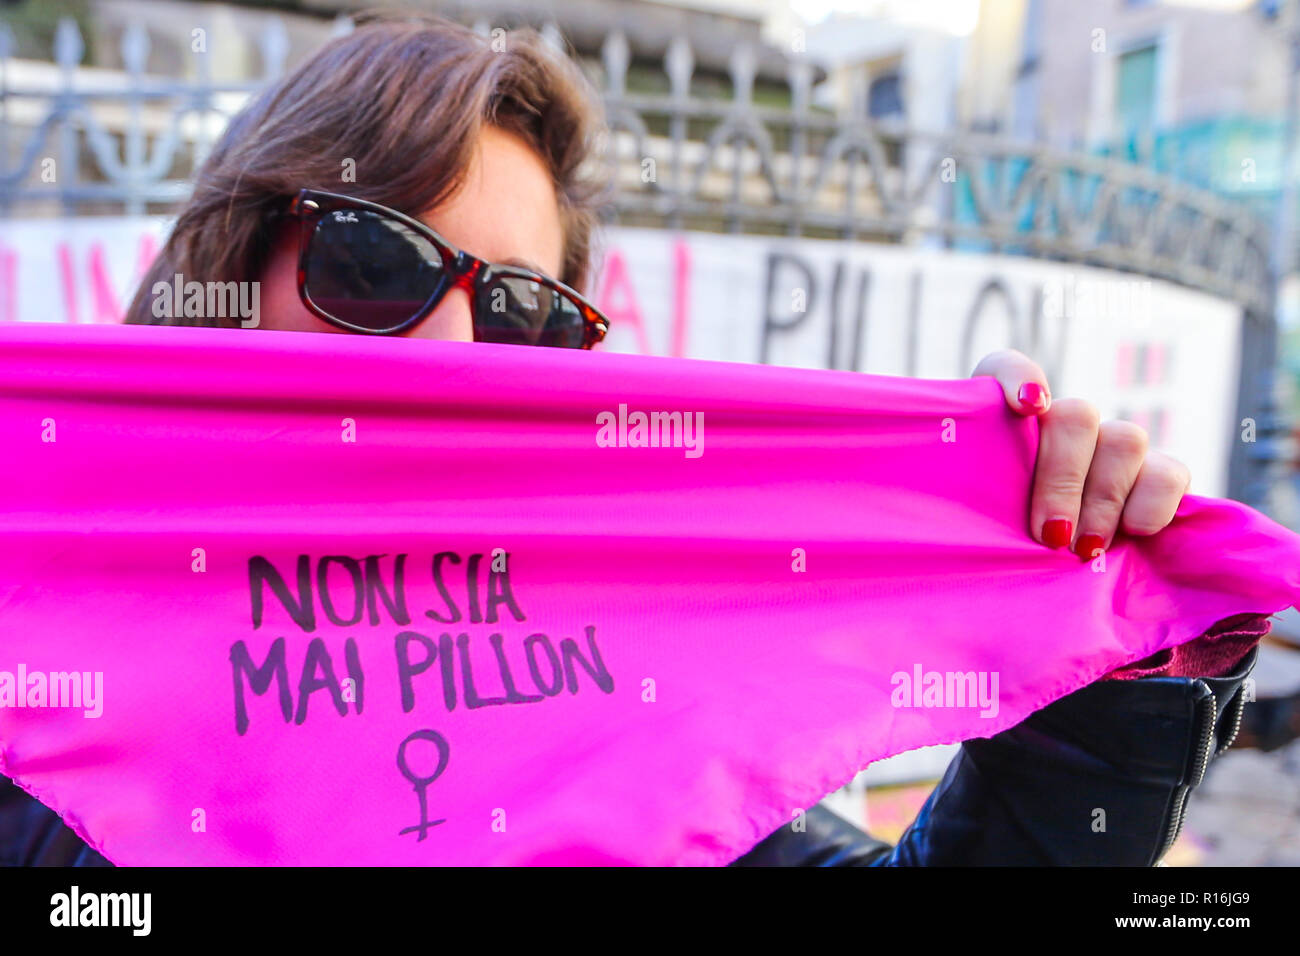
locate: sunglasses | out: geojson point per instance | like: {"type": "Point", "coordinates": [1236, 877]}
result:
{"type": "Point", "coordinates": [366, 268]}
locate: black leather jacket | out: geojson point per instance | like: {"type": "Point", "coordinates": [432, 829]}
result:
{"type": "Point", "coordinates": [1028, 796]}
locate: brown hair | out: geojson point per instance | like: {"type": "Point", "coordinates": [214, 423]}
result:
{"type": "Point", "coordinates": [404, 97]}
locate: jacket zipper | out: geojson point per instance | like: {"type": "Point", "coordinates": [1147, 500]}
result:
{"type": "Point", "coordinates": [1239, 710]}
{"type": "Point", "coordinates": [1203, 754]}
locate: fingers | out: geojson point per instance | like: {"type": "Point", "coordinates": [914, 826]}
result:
{"type": "Point", "coordinates": [1121, 448]}
{"type": "Point", "coordinates": [1160, 486]}
{"type": "Point", "coordinates": [1090, 479]}
{"type": "Point", "coordinates": [1023, 383]}
{"type": "Point", "coordinates": [1067, 439]}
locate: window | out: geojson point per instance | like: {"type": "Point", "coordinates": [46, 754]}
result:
{"type": "Point", "coordinates": [1135, 91]}
{"type": "Point", "coordinates": [885, 97]}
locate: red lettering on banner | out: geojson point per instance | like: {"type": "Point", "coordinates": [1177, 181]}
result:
{"type": "Point", "coordinates": [105, 309]}
{"type": "Point", "coordinates": [1156, 363]}
{"type": "Point", "coordinates": [681, 294]}
{"type": "Point", "coordinates": [617, 299]}
{"type": "Point", "coordinates": [1145, 364]}
{"type": "Point", "coordinates": [1124, 364]}
{"type": "Point", "coordinates": [616, 281]}
{"type": "Point", "coordinates": [64, 253]}
{"type": "Point", "coordinates": [8, 284]}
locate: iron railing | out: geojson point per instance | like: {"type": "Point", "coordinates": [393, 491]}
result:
{"type": "Point", "coordinates": [130, 145]}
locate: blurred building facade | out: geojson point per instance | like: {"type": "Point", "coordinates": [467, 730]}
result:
{"type": "Point", "coordinates": [1195, 90]}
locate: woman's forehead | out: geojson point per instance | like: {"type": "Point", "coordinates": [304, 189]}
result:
{"type": "Point", "coordinates": [506, 209]}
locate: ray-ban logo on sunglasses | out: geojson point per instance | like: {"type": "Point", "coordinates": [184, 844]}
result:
{"type": "Point", "coordinates": [208, 300]}
{"type": "Point", "coordinates": [345, 217]}
{"type": "Point", "coordinates": [651, 430]}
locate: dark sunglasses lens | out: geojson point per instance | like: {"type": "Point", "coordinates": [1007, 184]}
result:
{"type": "Point", "coordinates": [520, 311]}
{"type": "Point", "coordinates": [370, 271]}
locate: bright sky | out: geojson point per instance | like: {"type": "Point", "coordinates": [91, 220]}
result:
{"type": "Point", "coordinates": [957, 17]}
{"type": "Point", "coordinates": [1238, 5]}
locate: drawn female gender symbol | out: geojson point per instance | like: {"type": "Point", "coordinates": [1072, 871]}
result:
{"type": "Point", "coordinates": [421, 784]}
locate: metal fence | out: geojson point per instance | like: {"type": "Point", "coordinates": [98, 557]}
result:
{"type": "Point", "coordinates": [130, 142]}
{"type": "Point", "coordinates": [683, 161]}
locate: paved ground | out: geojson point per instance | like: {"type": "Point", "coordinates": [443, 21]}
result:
{"type": "Point", "coordinates": [1247, 811]}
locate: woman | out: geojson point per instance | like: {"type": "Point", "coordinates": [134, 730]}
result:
{"type": "Point", "coordinates": [411, 180]}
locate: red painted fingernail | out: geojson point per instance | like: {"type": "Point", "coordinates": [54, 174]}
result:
{"type": "Point", "coordinates": [1088, 545]}
{"type": "Point", "coordinates": [1057, 532]}
{"type": "Point", "coordinates": [1033, 395]}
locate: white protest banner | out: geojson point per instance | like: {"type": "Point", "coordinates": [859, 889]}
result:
{"type": "Point", "coordinates": [1161, 355]}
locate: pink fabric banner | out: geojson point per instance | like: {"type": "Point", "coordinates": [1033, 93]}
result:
{"type": "Point", "coordinates": [341, 600]}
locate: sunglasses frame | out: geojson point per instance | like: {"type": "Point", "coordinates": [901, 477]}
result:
{"type": "Point", "coordinates": [460, 269]}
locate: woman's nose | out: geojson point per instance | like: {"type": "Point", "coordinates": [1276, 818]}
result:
{"type": "Point", "coordinates": [451, 320]}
